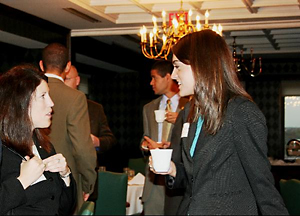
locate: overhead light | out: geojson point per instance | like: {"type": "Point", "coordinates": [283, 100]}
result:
{"type": "Point", "coordinates": [81, 15]}
{"type": "Point", "coordinates": [158, 43]}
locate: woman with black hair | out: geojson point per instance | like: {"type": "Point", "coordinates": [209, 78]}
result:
{"type": "Point", "coordinates": [34, 180]}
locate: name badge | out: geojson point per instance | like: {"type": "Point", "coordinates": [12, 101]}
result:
{"type": "Point", "coordinates": [185, 130]}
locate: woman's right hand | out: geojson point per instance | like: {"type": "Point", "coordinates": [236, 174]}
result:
{"type": "Point", "coordinates": [171, 172]}
{"type": "Point", "coordinates": [30, 170]}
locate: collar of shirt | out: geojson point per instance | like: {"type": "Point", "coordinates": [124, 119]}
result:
{"type": "Point", "coordinates": [54, 76]}
{"type": "Point", "coordinates": [174, 102]}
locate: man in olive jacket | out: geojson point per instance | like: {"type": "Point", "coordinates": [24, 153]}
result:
{"type": "Point", "coordinates": [70, 129]}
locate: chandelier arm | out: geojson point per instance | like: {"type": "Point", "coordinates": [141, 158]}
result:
{"type": "Point", "coordinates": [145, 52]}
{"type": "Point", "coordinates": [165, 37]}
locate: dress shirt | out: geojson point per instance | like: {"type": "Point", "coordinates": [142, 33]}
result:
{"type": "Point", "coordinates": [162, 106]}
{"type": "Point", "coordinates": [54, 76]}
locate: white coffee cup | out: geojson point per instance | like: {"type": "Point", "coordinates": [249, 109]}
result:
{"type": "Point", "coordinates": [161, 159]}
{"type": "Point", "coordinates": [160, 115]}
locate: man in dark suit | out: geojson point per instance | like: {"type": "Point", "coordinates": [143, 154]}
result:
{"type": "Point", "coordinates": [154, 195]}
{"type": "Point", "coordinates": [103, 138]}
{"type": "Point", "coordinates": [70, 129]}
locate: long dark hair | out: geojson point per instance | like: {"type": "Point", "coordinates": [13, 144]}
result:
{"type": "Point", "coordinates": [16, 88]}
{"type": "Point", "coordinates": [216, 81]}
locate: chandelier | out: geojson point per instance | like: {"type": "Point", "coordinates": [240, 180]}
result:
{"type": "Point", "coordinates": [246, 66]}
{"type": "Point", "coordinates": [158, 43]}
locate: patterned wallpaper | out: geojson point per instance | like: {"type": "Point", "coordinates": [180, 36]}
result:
{"type": "Point", "coordinates": [266, 92]}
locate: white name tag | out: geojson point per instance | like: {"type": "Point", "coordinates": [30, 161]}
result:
{"type": "Point", "coordinates": [185, 130]}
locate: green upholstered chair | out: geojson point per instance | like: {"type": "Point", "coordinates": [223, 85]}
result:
{"type": "Point", "coordinates": [290, 192]}
{"type": "Point", "coordinates": [137, 164]}
{"type": "Point", "coordinates": [112, 192]}
{"type": "Point", "coordinates": [87, 208]}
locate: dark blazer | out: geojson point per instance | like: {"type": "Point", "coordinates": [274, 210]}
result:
{"type": "Point", "coordinates": [99, 126]}
{"type": "Point", "coordinates": [70, 134]}
{"type": "Point", "coordinates": [48, 197]}
{"type": "Point", "coordinates": [100, 129]}
{"type": "Point", "coordinates": [230, 172]}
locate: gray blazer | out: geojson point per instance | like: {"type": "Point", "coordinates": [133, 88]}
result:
{"type": "Point", "coordinates": [151, 130]}
{"type": "Point", "coordinates": [229, 173]}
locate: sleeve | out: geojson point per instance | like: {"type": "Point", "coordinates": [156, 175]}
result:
{"type": "Point", "coordinates": [68, 198]}
{"type": "Point", "coordinates": [106, 137]}
{"type": "Point", "coordinates": [12, 195]}
{"type": "Point", "coordinates": [250, 138]}
{"type": "Point", "coordinates": [146, 130]}
{"type": "Point", "coordinates": [180, 180]}
{"type": "Point", "coordinates": [83, 149]}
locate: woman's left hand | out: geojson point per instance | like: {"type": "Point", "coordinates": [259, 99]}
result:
{"type": "Point", "coordinates": [171, 172]}
{"type": "Point", "coordinates": [56, 163]}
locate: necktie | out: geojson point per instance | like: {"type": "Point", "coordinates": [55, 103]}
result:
{"type": "Point", "coordinates": [166, 125]}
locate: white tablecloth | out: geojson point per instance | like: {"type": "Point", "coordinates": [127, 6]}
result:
{"type": "Point", "coordinates": [134, 194]}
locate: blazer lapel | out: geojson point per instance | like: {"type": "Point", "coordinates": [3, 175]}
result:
{"type": "Point", "coordinates": [187, 141]}
{"type": "Point", "coordinates": [153, 122]}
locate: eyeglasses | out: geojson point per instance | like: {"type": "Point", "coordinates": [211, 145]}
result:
{"type": "Point", "coordinates": [69, 78]}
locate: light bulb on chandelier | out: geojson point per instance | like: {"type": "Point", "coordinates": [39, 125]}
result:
{"type": "Point", "coordinates": [161, 40]}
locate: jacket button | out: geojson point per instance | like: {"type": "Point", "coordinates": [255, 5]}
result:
{"type": "Point", "coordinates": [50, 179]}
{"type": "Point", "coordinates": [52, 198]}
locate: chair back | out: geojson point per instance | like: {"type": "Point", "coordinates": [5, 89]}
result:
{"type": "Point", "coordinates": [290, 192]}
{"type": "Point", "coordinates": [87, 208]}
{"type": "Point", "coordinates": [137, 164]}
{"type": "Point", "coordinates": [112, 192]}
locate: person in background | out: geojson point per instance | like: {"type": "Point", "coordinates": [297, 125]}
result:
{"type": "Point", "coordinates": [154, 193]}
{"type": "Point", "coordinates": [225, 169]}
{"type": "Point", "coordinates": [34, 179]}
{"type": "Point", "coordinates": [102, 136]}
{"type": "Point", "coordinates": [70, 129]}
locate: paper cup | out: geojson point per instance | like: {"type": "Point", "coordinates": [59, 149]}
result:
{"type": "Point", "coordinates": [161, 159]}
{"type": "Point", "coordinates": [160, 115]}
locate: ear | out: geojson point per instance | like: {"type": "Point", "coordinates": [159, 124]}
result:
{"type": "Point", "coordinates": [168, 76]}
{"type": "Point", "coordinates": [41, 65]}
{"type": "Point", "coordinates": [68, 67]}
{"type": "Point", "coordinates": [77, 80]}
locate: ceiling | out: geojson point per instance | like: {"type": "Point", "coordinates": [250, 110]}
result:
{"type": "Point", "coordinates": [267, 26]}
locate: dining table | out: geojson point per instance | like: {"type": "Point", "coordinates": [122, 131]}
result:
{"type": "Point", "coordinates": [134, 197]}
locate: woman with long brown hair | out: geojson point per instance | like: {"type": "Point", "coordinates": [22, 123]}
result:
{"type": "Point", "coordinates": [224, 167]}
{"type": "Point", "coordinates": [34, 180]}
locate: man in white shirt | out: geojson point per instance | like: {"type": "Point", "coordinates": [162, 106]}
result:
{"type": "Point", "coordinates": [154, 190]}
{"type": "Point", "coordinates": [70, 129]}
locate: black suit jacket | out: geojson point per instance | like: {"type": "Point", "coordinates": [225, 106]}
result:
{"type": "Point", "coordinates": [100, 129]}
{"type": "Point", "coordinates": [99, 126]}
{"type": "Point", "coordinates": [48, 197]}
{"type": "Point", "coordinates": [229, 173]}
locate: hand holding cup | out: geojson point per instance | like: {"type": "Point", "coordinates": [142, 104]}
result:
{"type": "Point", "coordinates": [160, 116]}
{"type": "Point", "coordinates": [171, 171]}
